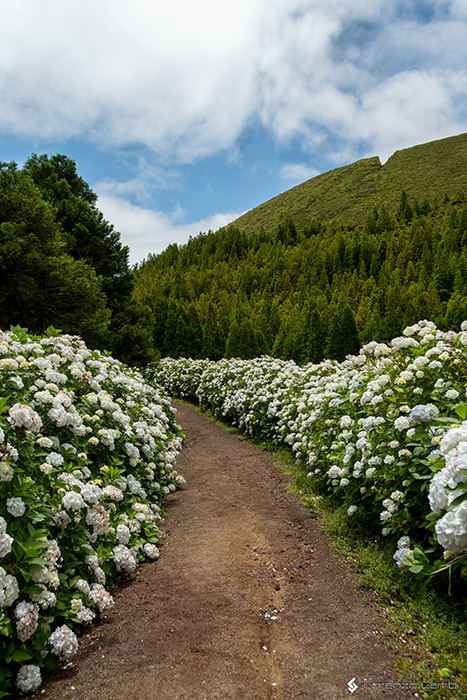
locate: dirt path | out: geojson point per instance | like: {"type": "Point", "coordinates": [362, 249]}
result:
{"type": "Point", "coordinates": [246, 601]}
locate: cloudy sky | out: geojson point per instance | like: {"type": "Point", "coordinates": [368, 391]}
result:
{"type": "Point", "coordinates": [181, 115]}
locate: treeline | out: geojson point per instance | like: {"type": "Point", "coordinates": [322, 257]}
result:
{"type": "Point", "coordinates": [63, 265]}
{"type": "Point", "coordinates": [309, 293]}
{"type": "Point", "coordinates": [303, 292]}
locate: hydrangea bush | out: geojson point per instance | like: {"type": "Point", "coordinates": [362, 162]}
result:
{"type": "Point", "coordinates": [87, 454]}
{"type": "Point", "coordinates": [384, 431]}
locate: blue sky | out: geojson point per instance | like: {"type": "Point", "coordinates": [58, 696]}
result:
{"type": "Point", "coordinates": [182, 115]}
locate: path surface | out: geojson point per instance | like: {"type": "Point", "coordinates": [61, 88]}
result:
{"type": "Point", "coordinates": [246, 601]}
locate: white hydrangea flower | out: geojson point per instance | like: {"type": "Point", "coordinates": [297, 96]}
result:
{"type": "Point", "coordinates": [151, 550]}
{"type": "Point", "coordinates": [27, 619]}
{"type": "Point", "coordinates": [85, 614]}
{"type": "Point", "coordinates": [28, 678]}
{"type": "Point", "coordinates": [16, 506]}
{"type": "Point", "coordinates": [440, 494]}
{"type": "Point", "coordinates": [83, 586]}
{"type": "Point", "coordinates": [402, 423]}
{"type": "Point", "coordinates": [73, 501]}
{"type": "Point", "coordinates": [124, 559]}
{"type": "Point", "coordinates": [9, 589]}
{"type": "Point", "coordinates": [123, 534]}
{"type": "Point", "coordinates": [22, 416]}
{"type": "Point", "coordinates": [5, 539]}
{"type": "Point", "coordinates": [64, 642]}
{"type": "Point", "coordinates": [101, 597]}
{"type": "Point", "coordinates": [451, 529]}
{"type": "Point", "coordinates": [99, 519]}
{"type": "Point", "coordinates": [91, 492]}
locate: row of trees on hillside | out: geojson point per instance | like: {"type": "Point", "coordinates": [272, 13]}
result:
{"type": "Point", "coordinates": [305, 293]}
{"type": "Point", "coordinates": [310, 293]}
{"type": "Point", "coordinates": [62, 264]}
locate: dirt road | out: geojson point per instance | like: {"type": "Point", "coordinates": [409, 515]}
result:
{"type": "Point", "coordinates": [246, 601]}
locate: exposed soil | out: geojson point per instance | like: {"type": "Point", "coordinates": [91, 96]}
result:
{"type": "Point", "coordinates": [247, 601]}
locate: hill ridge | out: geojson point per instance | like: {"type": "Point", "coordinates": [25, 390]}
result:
{"type": "Point", "coordinates": [430, 170]}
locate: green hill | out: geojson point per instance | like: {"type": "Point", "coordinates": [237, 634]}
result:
{"type": "Point", "coordinates": [430, 171]}
{"type": "Point", "coordinates": [350, 256]}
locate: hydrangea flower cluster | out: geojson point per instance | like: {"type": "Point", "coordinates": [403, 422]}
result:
{"type": "Point", "coordinates": [87, 455]}
{"type": "Point", "coordinates": [369, 429]}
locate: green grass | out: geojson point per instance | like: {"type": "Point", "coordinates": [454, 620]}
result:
{"type": "Point", "coordinates": [347, 194]}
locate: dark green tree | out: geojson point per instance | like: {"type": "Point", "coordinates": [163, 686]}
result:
{"type": "Point", "coordinates": [343, 336]}
{"type": "Point", "coordinates": [213, 343]}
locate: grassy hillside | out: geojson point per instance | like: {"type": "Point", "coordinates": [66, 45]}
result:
{"type": "Point", "coordinates": [429, 171]}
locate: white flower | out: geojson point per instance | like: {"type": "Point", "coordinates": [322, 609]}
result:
{"type": "Point", "coordinates": [44, 441]}
{"type": "Point", "coordinates": [83, 586]}
{"type": "Point", "coordinates": [6, 471]}
{"type": "Point", "coordinates": [22, 416]}
{"type": "Point", "coordinates": [151, 550]}
{"type": "Point", "coordinates": [27, 619]}
{"type": "Point", "coordinates": [99, 519]}
{"type": "Point", "coordinates": [61, 518]}
{"type": "Point", "coordinates": [113, 492]}
{"type": "Point", "coordinates": [123, 534]}
{"type": "Point", "coordinates": [5, 544]}
{"type": "Point", "coordinates": [28, 678]}
{"type": "Point", "coordinates": [46, 468]}
{"type": "Point", "coordinates": [64, 642]}
{"type": "Point", "coordinates": [85, 615]}
{"type": "Point", "coordinates": [55, 459]}
{"type": "Point", "coordinates": [15, 506]}
{"type": "Point", "coordinates": [91, 492]}
{"type": "Point", "coordinates": [9, 589]}
{"type": "Point", "coordinates": [452, 394]}
{"type": "Point", "coordinates": [440, 494]}
{"type": "Point", "coordinates": [124, 559]}
{"type": "Point", "coordinates": [46, 599]}
{"type": "Point", "coordinates": [401, 423]}
{"type": "Point", "coordinates": [73, 501]}
{"type": "Point", "coordinates": [351, 510]}
{"type": "Point", "coordinates": [451, 529]}
{"type": "Point", "coordinates": [101, 597]}
{"type": "Point", "coordinates": [346, 422]}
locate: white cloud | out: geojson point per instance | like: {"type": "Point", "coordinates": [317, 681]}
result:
{"type": "Point", "coordinates": [148, 231]}
{"type": "Point", "coordinates": [185, 78]}
{"type": "Point", "coordinates": [295, 173]}
{"type": "Point", "coordinates": [411, 108]}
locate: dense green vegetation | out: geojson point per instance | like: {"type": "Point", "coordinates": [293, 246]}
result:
{"type": "Point", "coordinates": [311, 292]}
{"type": "Point", "coordinates": [349, 256]}
{"type": "Point", "coordinates": [62, 264]}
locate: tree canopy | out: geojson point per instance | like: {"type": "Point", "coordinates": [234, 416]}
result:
{"type": "Point", "coordinates": [312, 291]}
{"type": "Point", "coordinates": [61, 262]}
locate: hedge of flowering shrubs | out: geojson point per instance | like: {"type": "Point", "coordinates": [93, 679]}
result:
{"type": "Point", "coordinates": [87, 453]}
{"type": "Point", "coordinates": [385, 431]}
